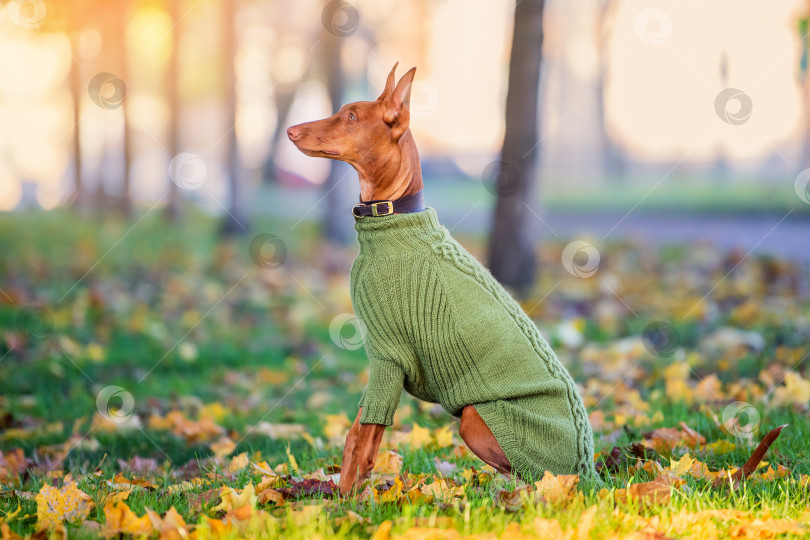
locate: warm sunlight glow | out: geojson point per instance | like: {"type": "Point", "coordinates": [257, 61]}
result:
{"type": "Point", "coordinates": [665, 68]}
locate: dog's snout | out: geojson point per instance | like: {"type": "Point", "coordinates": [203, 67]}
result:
{"type": "Point", "coordinates": [293, 132]}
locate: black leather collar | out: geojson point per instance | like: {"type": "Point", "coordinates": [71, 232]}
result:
{"type": "Point", "coordinates": [404, 205]}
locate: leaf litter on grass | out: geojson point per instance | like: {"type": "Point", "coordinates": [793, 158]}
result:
{"type": "Point", "coordinates": [255, 401]}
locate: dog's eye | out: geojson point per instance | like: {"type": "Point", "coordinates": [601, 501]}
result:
{"type": "Point", "coordinates": [352, 116]}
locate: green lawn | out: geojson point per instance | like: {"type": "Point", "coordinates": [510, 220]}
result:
{"type": "Point", "coordinates": [205, 344]}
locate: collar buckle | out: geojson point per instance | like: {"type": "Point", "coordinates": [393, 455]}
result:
{"type": "Point", "coordinates": [375, 208]}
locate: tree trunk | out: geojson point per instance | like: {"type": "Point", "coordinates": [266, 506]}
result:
{"type": "Point", "coordinates": [804, 28]}
{"type": "Point", "coordinates": [284, 100]}
{"type": "Point", "coordinates": [126, 189]}
{"type": "Point", "coordinates": [511, 253]}
{"type": "Point", "coordinates": [612, 160]}
{"type": "Point", "coordinates": [235, 221]}
{"type": "Point", "coordinates": [76, 93]}
{"type": "Point", "coordinates": [173, 96]}
{"type": "Point", "coordinates": [338, 223]}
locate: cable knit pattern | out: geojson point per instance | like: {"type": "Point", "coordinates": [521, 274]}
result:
{"type": "Point", "coordinates": [441, 327]}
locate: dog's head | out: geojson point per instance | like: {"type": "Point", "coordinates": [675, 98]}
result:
{"type": "Point", "coordinates": [360, 131]}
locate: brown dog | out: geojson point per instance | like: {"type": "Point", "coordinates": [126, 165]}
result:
{"type": "Point", "coordinates": [373, 137]}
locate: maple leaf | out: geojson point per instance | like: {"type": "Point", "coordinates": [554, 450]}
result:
{"type": "Point", "coordinates": [120, 481]}
{"type": "Point", "coordinates": [681, 466]}
{"type": "Point", "coordinates": [267, 495]}
{"type": "Point", "coordinates": [654, 492]}
{"type": "Point", "coordinates": [68, 503]}
{"type": "Point", "coordinates": [171, 526]}
{"type": "Point", "coordinates": [222, 447]}
{"type": "Point", "coordinates": [796, 391]}
{"type": "Point", "coordinates": [419, 437]}
{"type": "Point", "coordinates": [12, 465]}
{"type": "Point", "coordinates": [557, 489]}
{"type": "Point", "coordinates": [236, 498]}
{"type": "Point", "coordinates": [271, 478]}
{"type": "Point", "coordinates": [443, 436]}
{"type": "Point", "coordinates": [664, 440]}
{"type": "Point", "coordinates": [392, 494]}
{"type": "Point", "coordinates": [238, 463]}
{"type": "Point", "coordinates": [388, 462]}
{"type": "Point", "coordinates": [336, 426]}
{"type": "Point", "coordinates": [119, 519]}
{"type": "Point", "coordinates": [720, 447]}
{"type": "Point", "coordinates": [441, 489]}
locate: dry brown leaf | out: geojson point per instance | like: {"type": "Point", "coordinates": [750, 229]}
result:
{"type": "Point", "coordinates": [654, 492]}
{"type": "Point", "coordinates": [270, 495]}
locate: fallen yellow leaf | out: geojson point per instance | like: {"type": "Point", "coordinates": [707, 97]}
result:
{"type": "Point", "coordinates": [557, 489]}
{"type": "Point", "coordinates": [388, 462]}
{"type": "Point", "coordinates": [119, 519]}
{"type": "Point", "coordinates": [68, 503]}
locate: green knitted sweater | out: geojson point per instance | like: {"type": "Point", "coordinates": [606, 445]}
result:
{"type": "Point", "coordinates": [441, 327]}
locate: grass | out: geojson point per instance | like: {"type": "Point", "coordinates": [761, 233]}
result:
{"type": "Point", "coordinates": [184, 322]}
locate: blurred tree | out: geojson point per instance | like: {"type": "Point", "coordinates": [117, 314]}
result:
{"type": "Point", "coordinates": [66, 17]}
{"type": "Point", "coordinates": [284, 98]}
{"type": "Point", "coordinates": [612, 159]}
{"type": "Point", "coordinates": [173, 97]}
{"type": "Point", "coordinates": [119, 11]}
{"type": "Point", "coordinates": [337, 222]}
{"type": "Point", "coordinates": [511, 254]}
{"type": "Point", "coordinates": [804, 75]}
{"type": "Point", "coordinates": [73, 29]}
{"type": "Point", "coordinates": [235, 221]}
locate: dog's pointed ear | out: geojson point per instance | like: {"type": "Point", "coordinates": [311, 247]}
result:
{"type": "Point", "coordinates": [398, 104]}
{"type": "Point", "coordinates": [390, 83]}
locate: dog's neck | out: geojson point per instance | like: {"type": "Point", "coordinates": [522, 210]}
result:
{"type": "Point", "coordinates": [392, 176]}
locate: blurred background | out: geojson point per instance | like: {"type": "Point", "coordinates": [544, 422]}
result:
{"type": "Point", "coordinates": [172, 106]}
{"type": "Point", "coordinates": [635, 172]}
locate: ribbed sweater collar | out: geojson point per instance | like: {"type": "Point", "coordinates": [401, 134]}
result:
{"type": "Point", "coordinates": [398, 233]}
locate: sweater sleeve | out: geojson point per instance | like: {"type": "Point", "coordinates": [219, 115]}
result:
{"type": "Point", "coordinates": [381, 396]}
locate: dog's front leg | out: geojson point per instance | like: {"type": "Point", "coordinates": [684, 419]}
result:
{"type": "Point", "coordinates": [359, 454]}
